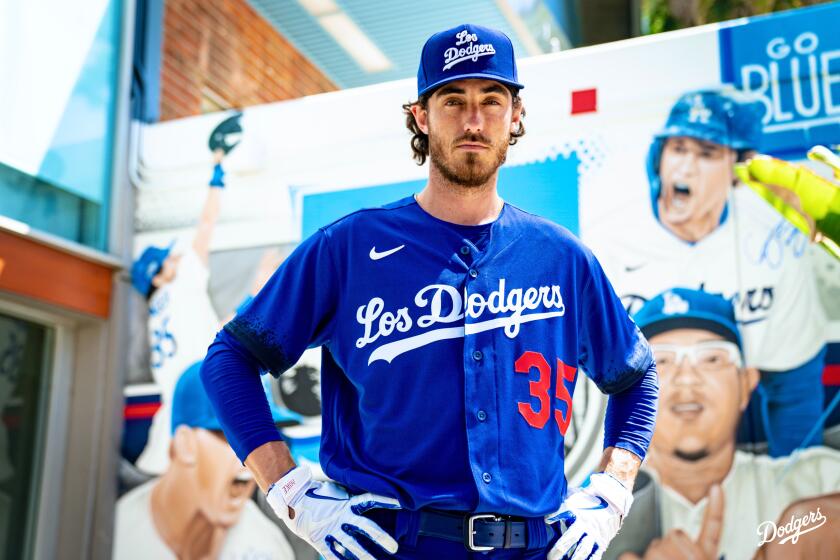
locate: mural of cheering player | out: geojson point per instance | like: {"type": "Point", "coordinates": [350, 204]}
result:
{"type": "Point", "coordinates": [201, 506]}
{"type": "Point", "coordinates": [714, 500]}
{"type": "Point", "coordinates": [712, 233]}
{"type": "Point", "coordinates": [182, 320]}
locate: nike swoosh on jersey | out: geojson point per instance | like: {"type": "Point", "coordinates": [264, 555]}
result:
{"type": "Point", "coordinates": [374, 256]}
{"type": "Point", "coordinates": [632, 268]}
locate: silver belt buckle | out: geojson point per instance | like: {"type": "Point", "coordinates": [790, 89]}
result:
{"type": "Point", "coordinates": [471, 532]}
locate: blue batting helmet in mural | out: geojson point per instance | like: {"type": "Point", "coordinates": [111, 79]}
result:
{"type": "Point", "coordinates": [725, 117]}
{"type": "Point", "coordinates": [146, 267]}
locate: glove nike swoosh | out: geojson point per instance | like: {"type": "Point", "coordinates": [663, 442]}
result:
{"type": "Point", "coordinates": [602, 503]}
{"type": "Point", "coordinates": [311, 493]}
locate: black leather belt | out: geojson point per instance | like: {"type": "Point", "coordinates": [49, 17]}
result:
{"type": "Point", "coordinates": [479, 532]}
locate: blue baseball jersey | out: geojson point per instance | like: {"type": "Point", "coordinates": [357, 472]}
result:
{"type": "Point", "coordinates": [448, 369]}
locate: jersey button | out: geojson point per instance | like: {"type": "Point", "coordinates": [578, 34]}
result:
{"type": "Point", "coordinates": [486, 478]}
{"type": "Point", "coordinates": [477, 355]}
{"type": "Point", "coordinates": [465, 250]}
{"type": "Point", "coordinates": [473, 273]}
{"type": "Point", "coordinates": [482, 416]}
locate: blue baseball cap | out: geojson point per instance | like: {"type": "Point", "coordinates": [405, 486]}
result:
{"type": "Point", "coordinates": [683, 308]}
{"type": "Point", "coordinates": [727, 117]}
{"type": "Point", "coordinates": [146, 267]}
{"type": "Point", "coordinates": [466, 51]}
{"type": "Point", "coordinates": [191, 406]}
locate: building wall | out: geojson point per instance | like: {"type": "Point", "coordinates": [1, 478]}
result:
{"type": "Point", "coordinates": [220, 54]}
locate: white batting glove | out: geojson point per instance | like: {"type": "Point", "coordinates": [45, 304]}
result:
{"type": "Point", "coordinates": [591, 516]}
{"type": "Point", "coordinates": [327, 517]}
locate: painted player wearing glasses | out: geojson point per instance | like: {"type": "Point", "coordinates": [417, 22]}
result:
{"type": "Point", "coordinates": [452, 326]}
{"type": "Point", "coordinates": [716, 501]}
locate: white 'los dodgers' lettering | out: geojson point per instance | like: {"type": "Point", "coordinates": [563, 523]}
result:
{"type": "Point", "coordinates": [473, 50]}
{"type": "Point", "coordinates": [436, 298]}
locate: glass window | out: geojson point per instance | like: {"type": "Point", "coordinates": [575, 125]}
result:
{"type": "Point", "coordinates": [47, 207]}
{"type": "Point", "coordinates": [25, 365]}
{"type": "Point", "coordinates": [58, 114]}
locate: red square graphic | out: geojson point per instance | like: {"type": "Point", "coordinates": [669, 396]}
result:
{"type": "Point", "coordinates": [584, 101]}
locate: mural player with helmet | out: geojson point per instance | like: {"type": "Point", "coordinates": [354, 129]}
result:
{"type": "Point", "coordinates": [182, 320]}
{"type": "Point", "coordinates": [708, 233]}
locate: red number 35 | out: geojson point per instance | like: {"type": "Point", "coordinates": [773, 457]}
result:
{"type": "Point", "coordinates": [540, 390]}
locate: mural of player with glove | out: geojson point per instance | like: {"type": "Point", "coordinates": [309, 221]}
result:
{"type": "Point", "coordinates": [712, 234]}
{"type": "Point", "coordinates": [453, 326]}
{"type": "Point", "coordinates": [182, 320]}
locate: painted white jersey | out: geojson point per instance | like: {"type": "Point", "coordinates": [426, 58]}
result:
{"type": "Point", "coordinates": [254, 537]}
{"type": "Point", "coordinates": [755, 256]}
{"type": "Point", "coordinates": [182, 324]}
{"type": "Point", "coordinates": [754, 491]}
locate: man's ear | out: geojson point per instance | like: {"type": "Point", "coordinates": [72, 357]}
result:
{"type": "Point", "coordinates": [749, 378]}
{"type": "Point", "coordinates": [421, 117]}
{"type": "Point", "coordinates": [184, 446]}
{"type": "Point", "coordinates": [516, 118]}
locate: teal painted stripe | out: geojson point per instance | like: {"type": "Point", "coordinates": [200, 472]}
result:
{"type": "Point", "coordinates": [549, 189]}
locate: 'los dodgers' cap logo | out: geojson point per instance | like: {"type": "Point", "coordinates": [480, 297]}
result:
{"type": "Point", "coordinates": [472, 50]}
{"type": "Point", "coordinates": [466, 51]}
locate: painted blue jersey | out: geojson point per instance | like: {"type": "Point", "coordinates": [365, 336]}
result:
{"type": "Point", "coordinates": [448, 371]}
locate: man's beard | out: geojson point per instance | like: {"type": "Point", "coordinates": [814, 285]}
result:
{"type": "Point", "coordinates": [470, 173]}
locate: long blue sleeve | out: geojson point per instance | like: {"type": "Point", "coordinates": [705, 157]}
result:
{"type": "Point", "coordinates": [631, 415]}
{"type": "Point", "coordinates": [231, 377]}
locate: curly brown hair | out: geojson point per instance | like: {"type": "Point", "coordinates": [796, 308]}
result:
{"type": "Point", "coordinates": [420, 140]}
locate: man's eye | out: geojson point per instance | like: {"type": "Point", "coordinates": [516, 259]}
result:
{"type": "Point", "coordinates": [492, 102]}
{"type": "Point", "coordinates": [452, 102]}
{"type": "Point", "coordinates": [664, 359]}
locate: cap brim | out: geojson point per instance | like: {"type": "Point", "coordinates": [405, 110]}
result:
{"type": "Point", "coordinates": [473, 76]}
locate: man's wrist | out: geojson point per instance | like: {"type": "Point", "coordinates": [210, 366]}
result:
{"type": "Point", "coordinates": [612, 490]}
{"type": "Point", "coordinates": [284, 494]}
{"type": "Point", "coordinates": [292, 485]}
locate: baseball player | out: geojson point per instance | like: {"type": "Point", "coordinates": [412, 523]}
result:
{"type": "Point", "coordinates": [452, 327]}
{"type": "Point", "coordinates": [714, 500]}
{"type": "Point", "coordinates": [182, 320]}
{"type": "Point", "coordinates": [709, 235]}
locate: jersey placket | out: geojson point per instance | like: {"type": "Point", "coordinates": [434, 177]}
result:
{"type": "Point", "coordinates": [480, 390]}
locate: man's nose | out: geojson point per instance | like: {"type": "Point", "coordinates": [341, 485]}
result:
{"type": "Point", "coordinates": [475, 120]}
{"type": "Point", "coordinates": [686, 373]}
{"type": "Point", "coordinates": [688, 164]}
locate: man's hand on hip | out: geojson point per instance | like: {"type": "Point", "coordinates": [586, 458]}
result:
{"type": "Point", "coordinates": [327, 517]}
{"type": "Point", "coordinates": [590, 516]}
